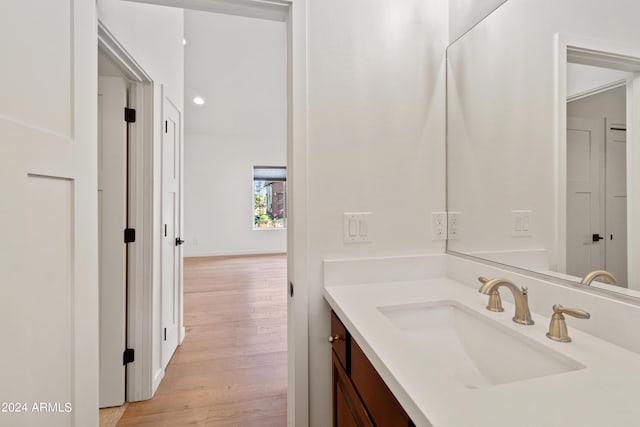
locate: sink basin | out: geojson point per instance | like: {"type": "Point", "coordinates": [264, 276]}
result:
{"type": "Point", "coordinates": [473, 349]}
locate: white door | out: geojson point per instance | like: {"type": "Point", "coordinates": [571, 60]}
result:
{"type": "Point", "coordinates": [616, 202]}
{"type": "Point", "coordinates": [585, 210]}
{"type": "Point", "coordinates": [112, 220]}
{"type": "Point", "coordinates": [171, 247]}
{"type": "Point", "coordinates": [48, 179]}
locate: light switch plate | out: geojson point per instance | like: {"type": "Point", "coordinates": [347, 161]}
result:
{"type": "Point", "coordinates": [357, 227]}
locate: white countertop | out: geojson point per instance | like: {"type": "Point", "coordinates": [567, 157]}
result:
{"type": "Point", "coordinates": [605, 393]}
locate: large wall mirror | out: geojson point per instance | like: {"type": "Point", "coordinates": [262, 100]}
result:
{"type": "Point", "coordinates": [543, 140]}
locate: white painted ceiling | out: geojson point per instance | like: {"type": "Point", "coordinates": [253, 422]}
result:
{"type": "Point", "coordinates": [238, 65]}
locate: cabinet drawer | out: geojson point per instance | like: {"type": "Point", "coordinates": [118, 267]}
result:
{"type": "Point", "coordinates": [340, 342]}
{"type": "Point", "coordinates": [382, 405]}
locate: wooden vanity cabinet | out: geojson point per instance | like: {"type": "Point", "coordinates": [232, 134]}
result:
{"type": "Point", "coordinates": [360, 396]}
{"type": "Point", "coordinates": [348, 410]}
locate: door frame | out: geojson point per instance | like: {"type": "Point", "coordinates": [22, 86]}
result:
{"type": "Point", "coordinates": [139, 375]}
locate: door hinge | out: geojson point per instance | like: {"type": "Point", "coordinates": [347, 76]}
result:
{"type": "Point", "coordinates": [166, 126]}
{"type": "Point", "coordinates": [165, 334]}
{"type": "Point", "coordinates": [128, 356]}
{"type": "Point", "coordinates": [129, 235]}
{"type": "Point", "coordinates": [291, 289]}
{"type": "Point", "coordinates": [129, 115]}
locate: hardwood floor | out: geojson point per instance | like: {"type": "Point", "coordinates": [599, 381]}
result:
{"type": "Point", "coordinates": [231, 369]}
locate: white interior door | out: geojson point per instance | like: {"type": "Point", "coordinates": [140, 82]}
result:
{"type": "Point", "coordinates": [171, 249]}
{"type": "Point", "coordinates": [48, 176]}
{"type": "Point", "coordinates": [112, 220]}
{"type": "Point", "coordinates": [585, 211]}
{"type": "Point", "coordinates": [616, 202]}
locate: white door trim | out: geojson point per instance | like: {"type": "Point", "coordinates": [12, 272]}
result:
{"type": "Point", "coordinates": [297, 216]}
{"type": "Point", "coordinates": [139, 384]}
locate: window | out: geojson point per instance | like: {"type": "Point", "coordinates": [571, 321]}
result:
{"type": "Point", "coordinates": [269, 197]}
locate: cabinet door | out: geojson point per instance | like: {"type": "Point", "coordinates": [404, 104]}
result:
{"type": "Point", "coordinates": [382, 406]}
{"type": "Point", "coordinates": [348, 410]}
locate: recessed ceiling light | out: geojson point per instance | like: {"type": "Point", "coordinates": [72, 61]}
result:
{"type": "Point", "coordinates": [198, 100]}
{"type": "Point", "coordinates": [184, 41]}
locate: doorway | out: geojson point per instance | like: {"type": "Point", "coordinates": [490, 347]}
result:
{"type": "Point", "coordinates": [126, 321]}
{"type": "Point", "coordinates": [620, 66]}
{"type": "Point", "coordinates": [294, 16]}
{"type": "Point", "coordinates": [596, 171]}
{"type": "Point", "coordinates": [235, 287]}
{"type": "Point", "coordinates": [235, 164]}
{"type": "Point", "coordinates": [113, 89]}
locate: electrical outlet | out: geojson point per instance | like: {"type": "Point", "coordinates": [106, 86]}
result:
{"type": "Point", "coordinates": [439, 225]}
{"type": "Point", "coordinates": [453, 225]}
{"type": "Point", "coordinates": [521, 223]}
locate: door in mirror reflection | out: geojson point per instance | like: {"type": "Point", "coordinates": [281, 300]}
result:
{"type": "Point", "coordinates": [596, 171]}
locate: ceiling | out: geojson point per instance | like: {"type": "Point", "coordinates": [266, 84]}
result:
{"type": "Point", "coordinates": [238, 66]}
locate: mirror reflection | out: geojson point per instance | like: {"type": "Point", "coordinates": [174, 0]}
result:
{"type": "Point", "coordinates": [540, 155]}
{"type": "Point", "coordinates": [596, 171]}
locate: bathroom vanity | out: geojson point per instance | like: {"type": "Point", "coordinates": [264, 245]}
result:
{"type": "Point", "coordinates": [360, 396]}
{"type": "Point", "coordinates": [439, 358]}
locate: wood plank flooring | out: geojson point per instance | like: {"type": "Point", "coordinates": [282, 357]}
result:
{"type": "Point", "coordinates": [231, 369]}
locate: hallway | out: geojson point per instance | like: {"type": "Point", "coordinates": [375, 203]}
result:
{"type": "Point", "coordinates": [231, 369]}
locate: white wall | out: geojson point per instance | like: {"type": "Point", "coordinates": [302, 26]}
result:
{"type": "Point", "coordinates": [153, 36]}
{"type": "Point", "coordinates": [504, 121]}
{"type": "Point", "coordinates": [464, 14]}
{"type": "Point", "coordinates": [219, 192]}
{"type": "Point", "coordinates": [375, 143]}
{"type": "Point", "coordinates": [238, 66]}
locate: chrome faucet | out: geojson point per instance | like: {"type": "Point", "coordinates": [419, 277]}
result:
{"type": "Point", "coordinates": [490, 287]}
{"type": "Point", "coordinates": [605, 275]}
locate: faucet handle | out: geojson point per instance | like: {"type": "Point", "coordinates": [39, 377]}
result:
{"type": "Point", "coordinates": [558, 326]}
{"type": "Point", "coordinates": [575, 312]}
{"type": "Point", "coordinates": [495, 302]}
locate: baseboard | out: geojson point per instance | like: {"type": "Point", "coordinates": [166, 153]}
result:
{"type": "Point", "coordinates": [234, 253]}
